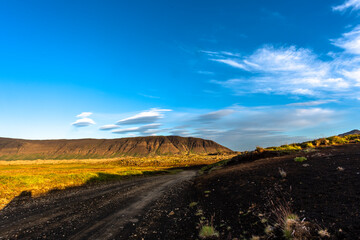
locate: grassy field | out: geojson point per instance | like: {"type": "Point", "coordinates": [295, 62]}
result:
{"type": "Point", "coordinates": [40, 176]}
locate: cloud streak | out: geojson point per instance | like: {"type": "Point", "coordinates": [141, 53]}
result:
{"type": "Point", "coordinates": [349, 41]}
{"type": "Point", "coordinates": [84, 114]}
{"type": "Point", "coordinates": [246, 128]}
{"type": "Point", "coordinates": [349, 4]}
{"type": "Point", "coordinates": [109, 127]}
{"type": "Point", "coordinates": [213, 116]}
{"type": "Point", "coordinates": [150, 116]}
{"type": "Point", "coordinates": [146, 129]}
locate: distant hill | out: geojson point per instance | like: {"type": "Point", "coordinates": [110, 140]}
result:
{"type": "Point", "coordinates": [11, 149]}
{"type": "Point", "coordinates": [355, 131]}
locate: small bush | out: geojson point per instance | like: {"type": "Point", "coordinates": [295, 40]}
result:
{"type": "Point", "coordinates": [208, 232]}
{"type": "Point", "coordinates": [259, 149]}
{"type": "Point", "coordinates": [352, 137]}
{"type": "Point", "coordinates": [321, 142]}
{"type": "Point", "coordinates": [291, 147]}
{"type": "Point", "coordinates": [300, 159]}
{"type": "Point", "coordinates": [337, 140]}
{"type": "Point", "coordinates": [307, 145]}
{"type": "Point", "coordinates": [193, 204]}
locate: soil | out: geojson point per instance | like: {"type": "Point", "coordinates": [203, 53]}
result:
{"type": "Point", "coordinates": [238, 200]}
{"type": "Point", "coordinates": [93, 212]}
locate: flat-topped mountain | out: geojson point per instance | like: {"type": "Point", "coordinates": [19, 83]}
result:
{"type": "Point", "coordinates": [352, 132]}
{"type": "Point", "coordinates": [11, 149]}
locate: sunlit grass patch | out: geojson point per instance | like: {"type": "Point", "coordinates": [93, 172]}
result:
{"type": "Point", "coordinates": [300, 159]}
{"type": "Point", "coordinates": [41, 176]}
{"type": "Point", "coordinates": [321, 142]}
{"type": "Point", "coordinates": [41, 180]}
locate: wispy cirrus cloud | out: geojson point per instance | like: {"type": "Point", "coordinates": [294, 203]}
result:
{"type": "Point", "coordinates": [349, 41]}
{"type": "Point", "coordinates": [231, 62]}
{"type": "Point", "coordinates": [84, 114]}
{"type": "Point", "coordinates": [310, 103]}
{"type": "Point", "coordinates": [290, 70]}
{"type": "Point", "coordinates": [213, 116]}
{"type": "Point", "coordinates": [348, 4]}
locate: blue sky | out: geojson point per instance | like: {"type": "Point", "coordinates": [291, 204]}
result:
{"type": "Point", "coordinates": [243, 73]}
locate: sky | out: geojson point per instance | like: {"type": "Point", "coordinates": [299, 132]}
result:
{"type": "Point", "coordinates": [242, 73]}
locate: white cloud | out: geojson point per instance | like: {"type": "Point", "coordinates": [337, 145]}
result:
{"type": "Point", "coordinates": [84, 114]}
{"type": "Point", "coordinates": [231, 63]}
{"type": "Point", "coordinates": [282, 59]}
{"type": "Point", "coordinates": [310, 103]}
{"type": "Point", "coordinates": [109, 127]}
{"type": "Point", "coordinates": [83, 122]}
{"type": "Point", "coordinates": [353, 4]}
{"type": "Point", "coordinates": [353, 74]}
{"type": "Point", "coordinates": [150, 116]}
{"type": "Point", "coordinates": [291, 70]}
{"type": "Point", "coordinates": [302, 91]}
{"type": "Point", "coordinates": [349, 41]}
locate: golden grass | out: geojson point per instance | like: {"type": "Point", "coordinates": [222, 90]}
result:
{"type": "Point", "coordinates": [40, 176]}
{"type": "Point", "coordinates": [321, 142]}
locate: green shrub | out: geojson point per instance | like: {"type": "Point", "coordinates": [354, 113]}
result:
{"type": "Point", "coordinates": [208, 232]}
{"type": "Point", "coordinates": [290, 147]}
{"type": "Point", "coordinates": [193, 204]}
{"type": "Point", "coordinates": [307, 145]}
{"type": "Point", "coordinates": [337, 140]}
{"type": "Point", "coordinates": [321, 142]}
{"type": "Point", "coordinates": [300, 159]}
{"type": "Point", "coordinates": [353, 138]}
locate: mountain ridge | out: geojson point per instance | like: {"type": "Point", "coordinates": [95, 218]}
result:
{"type": "Point", "coordinates": [352, 132]}
{"type": "Point", "coordinates": [12, 148]}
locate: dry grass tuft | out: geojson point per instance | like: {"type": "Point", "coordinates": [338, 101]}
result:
{"type": "Point", "coordinates": [282, 173]}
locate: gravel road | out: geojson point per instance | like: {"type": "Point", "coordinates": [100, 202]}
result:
{"type": "Point", "coordinates": [89, 212]}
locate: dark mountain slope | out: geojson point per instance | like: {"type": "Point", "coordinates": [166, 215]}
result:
{"type": "Point", "coordinates": [97, 148]}
{"type": "Point", "coordinates": [352, 132]}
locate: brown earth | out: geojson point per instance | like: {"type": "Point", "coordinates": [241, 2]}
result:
{"type": "Point", "coordinates": [239, 200]}
{"type": "Point", "coordinates": [90, 212]}
{"type": "Point", "coordinates": [11, 149]}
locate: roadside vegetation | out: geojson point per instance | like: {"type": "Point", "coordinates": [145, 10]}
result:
{"type": "Point", "coordinates": [41, 176]}
{"type": "Point", "coordinates": [321, 142]}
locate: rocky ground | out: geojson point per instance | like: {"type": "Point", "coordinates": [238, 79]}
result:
{"type": "Point", "coordinates": [242, 200]}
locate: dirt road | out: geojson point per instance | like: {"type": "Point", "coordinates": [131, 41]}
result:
{"type": "Point", "coordinates": [96, 212]}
